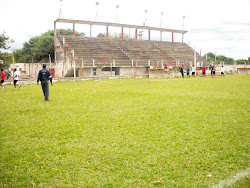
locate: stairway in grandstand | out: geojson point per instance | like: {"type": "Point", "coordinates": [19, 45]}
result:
{"type": "Point", "coordinates": [127, 50]}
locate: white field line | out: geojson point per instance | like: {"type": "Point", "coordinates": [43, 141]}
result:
{"type": "Point", "coordinates": [233, 179]}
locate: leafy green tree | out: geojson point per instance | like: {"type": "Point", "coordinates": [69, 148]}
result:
{"type": "Point", "coordinates": [210, 56]}
{"type": "Point", "coordinates": [5, 56]}
{"type": "Point", "coordinates": [5, 41]}
{"type": "Point", "coordinates": [101, 35]}
{"type": "Point", "coordinates": [115, 35]}
{"type": "Point", "coordinates": [64, 32]}
{"type": "Point", "coordinates": [39, 48]}
{"type": "Point", "coordinates": [219, 58]}
{"type": "Point", "coordinates": [242, 61]}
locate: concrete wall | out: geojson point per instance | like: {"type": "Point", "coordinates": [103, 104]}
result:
{"type": "Point", "coordinates": [30, 69]}
{"type": "Point", "coordinates": [243, 70]}
{"type": "Point", "coordinates": [160, 73]}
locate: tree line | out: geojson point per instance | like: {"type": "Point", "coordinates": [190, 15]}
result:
{"type": "Point", "coordinates": [227, 60]}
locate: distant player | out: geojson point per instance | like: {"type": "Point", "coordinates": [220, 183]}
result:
{"type": "Point", "coordinates": [222, 71]}
{"type": "Point", "coordinates": [188, 70]}
{"type": "Point", "coordinates": [193, 70]}
{"type": "Point", "coordinates": [212, 68]}
{"type": "Point", "coordinates": [204, 72]}
{"type": "Point", "coordinates": [166, 68]}
{"type": "Point", "coordinates": [2, 78]}
{"type": "Point", "coordinates": [16, 76]}
{"type": "Point", "coordinates": [182, 71]}
{"type": "Point", "coordinates": [214, 72]}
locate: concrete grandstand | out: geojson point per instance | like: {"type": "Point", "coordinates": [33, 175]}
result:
{"type": "Point", "coordinates": [104, 57]}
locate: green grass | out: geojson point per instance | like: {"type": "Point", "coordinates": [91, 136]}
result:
{"type": "Point", "coordinates": [125, 133]}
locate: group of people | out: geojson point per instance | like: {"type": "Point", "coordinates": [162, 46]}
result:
{"type": "Point", "coordinates": [15, 76]}
{"type": "Point", "coordinates": [193, 69]}
{"type": "Point", "coordinates": [203, 71]}
{"type": "Point", "coordinates": [44, 76]}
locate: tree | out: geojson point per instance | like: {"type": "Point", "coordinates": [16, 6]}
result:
{"type": "Point", "coordinates": [114, 35]}
{"type": "Point", "coordinates": [210, 56]}
{"type": "Point", "coordinates": [101, 35]}
{"type": "Point", "coordinates": [5, 56]}
{"type": "Point", "coordinates": [4, 41]}
{"type": "Point", "coordinates": [64, 32]}
{"type": "Point", "coordinates": [242, 61]}
{"type": "Point", "coordinates": [219, 58]}
{"type": "Point", "coordinates": [39, 48]}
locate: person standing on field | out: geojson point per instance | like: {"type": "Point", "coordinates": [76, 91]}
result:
{"type": "Point", "coordinates": [16, 76]}
{"type": "Point", "coordinates": [222, 71]}
{"type": "Point", "coordinates": [212, 68]}
{"type": "Point", "coordinates": [2, 78]}
{"type": "Point", "coordinates": [182, 72]}
{"type": "Point", "coordinates": [188, 70]}
{"type": "Point", "coordinates": [44, 76]}
{"type": "Point", "coordinates": [204, 72]}
{"type": "Point", "coordinates": [193, 70]}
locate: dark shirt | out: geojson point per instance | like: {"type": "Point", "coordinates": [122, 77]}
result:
{"type": "Point", "coordinates": [44, 75]}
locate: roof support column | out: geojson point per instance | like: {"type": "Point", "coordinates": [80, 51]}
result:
{"type": "Point", "coordinates": [55, 28]}
{"type": "Point", "coordinates": [172, 37]}
{"type": "Point", "coordinates": [107, 32]}
{"type": "Point", "coordinates": [161, 35]}
{"type": "Point", "coordinates": [136, 33]}
{"type": "Point", "coordinates": [122, 32]}
{"type": "Point", "coordinates": [90, 30]}
{"type": "Point", "coordinates": [182, 38]}
{"type": "Point", "coordinates": [74, 30]}
{"type": "Point", "coordinates": [148, 34]}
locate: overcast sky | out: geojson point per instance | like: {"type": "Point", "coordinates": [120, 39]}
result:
{"type": "Point", "coordinates": [218, 26]}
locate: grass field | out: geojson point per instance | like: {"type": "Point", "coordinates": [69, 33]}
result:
{"type": "Point", "coordinates": [126, 133]}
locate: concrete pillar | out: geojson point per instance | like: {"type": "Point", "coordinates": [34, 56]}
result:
{"type": "Point", "coordinates": [55, 28]}
{"type": "Point", "coordinates": [172, 37]}
{"type": "Point", "coordinates": [74, 68]}
{"type": "Point", "coordinates": [148, 34]}
{"type": "Point", "coordinates": [90, 30]}
{"type": "Point", "coordinates": [136, 33]}
{"type": "Point", "coordinates": [107, 32]}
{"type": "Point", "coordinates": [74, 30]}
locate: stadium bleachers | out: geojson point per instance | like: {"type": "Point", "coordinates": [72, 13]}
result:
{"type": "Point", "coordinates": [124, 51]}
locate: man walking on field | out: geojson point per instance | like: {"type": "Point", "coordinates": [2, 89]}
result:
{"type": "Point", "coordinates": [44, 76]}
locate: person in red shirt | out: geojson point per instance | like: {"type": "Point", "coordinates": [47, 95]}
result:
{"type": "Point", "coordinates": [204, 72]}
{"type": "Point", "coordinates": [2, 78]}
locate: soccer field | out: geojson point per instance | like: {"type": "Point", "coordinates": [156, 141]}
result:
{"type": "Point", "coordinates": [126, 133]}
